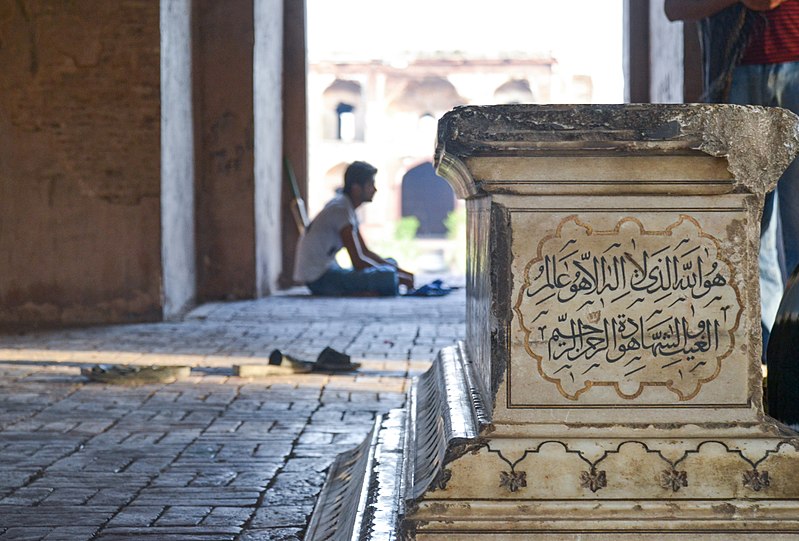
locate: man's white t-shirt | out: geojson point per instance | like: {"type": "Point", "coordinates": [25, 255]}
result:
{"type": "Point", "coordinates": [317, 248]}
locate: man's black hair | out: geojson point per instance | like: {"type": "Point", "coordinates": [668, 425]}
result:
{"type": "Point", "coordinates": [358, 173]}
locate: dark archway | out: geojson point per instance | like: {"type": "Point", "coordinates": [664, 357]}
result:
{"type": "Point", "coordinates": [428, 197]}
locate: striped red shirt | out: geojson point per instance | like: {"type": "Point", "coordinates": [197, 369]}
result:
{"type": "Point", "coordinates": [779, 40]}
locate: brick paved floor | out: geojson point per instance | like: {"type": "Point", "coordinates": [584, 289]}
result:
{"type": "Point", "coordinates": [212, 457]}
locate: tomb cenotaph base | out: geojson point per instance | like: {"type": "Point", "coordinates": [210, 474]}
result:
{"type": "Point", "coordinates": [610, 386]}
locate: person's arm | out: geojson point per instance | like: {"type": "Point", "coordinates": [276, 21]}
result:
{"type": "Point", "coordinates": [762, 5]}
{"type": "Point", "coordinates": [369, 253]}
{"type": "Point", "coordinates": [351, 238]}
{"type": "Point", "coordinates": [405, 277]}
{"type": "Point", "coordinates": [693, 10]}
{"type": "Point", "coordinates": [363, 258]}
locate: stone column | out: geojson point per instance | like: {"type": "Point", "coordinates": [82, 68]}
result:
{"type": "Point", "coordinates": [178, 168]}
{"type": "Point", "coordinates": [295, 127]}
{"type": "Point", "coordinates": [662, 59]}
{"type": "Point", "coordinates": [225, 183]}
{"type": "Point", "coordinates": [268, 140]}
{"type": "Point", "coordinates": [610, 386]}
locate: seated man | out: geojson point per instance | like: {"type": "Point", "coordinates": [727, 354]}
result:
{"type": "Point", "coordinates": [336, 227]}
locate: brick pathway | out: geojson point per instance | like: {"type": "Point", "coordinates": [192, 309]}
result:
{"type": "Point", "coordinates": [212, 457]}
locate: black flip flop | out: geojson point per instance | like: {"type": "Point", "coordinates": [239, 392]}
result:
{"type": "Point", "coordinates": [281, 363]}
{"type": "Point", "coordinates": [330, 360]}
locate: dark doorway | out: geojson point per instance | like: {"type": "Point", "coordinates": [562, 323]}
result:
{"type": "Point", "coordinates": [428, 197]}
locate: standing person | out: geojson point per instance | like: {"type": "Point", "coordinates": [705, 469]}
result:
{"type": "Point", "coordinates": [336, 227]}
{"type": "Point", "coordinates": [750, 52]}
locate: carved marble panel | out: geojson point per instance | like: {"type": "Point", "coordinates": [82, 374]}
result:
{"type": "Point", "coordinates": [628, 307]}
{"type": "Point", "coordinates": [636, 306]}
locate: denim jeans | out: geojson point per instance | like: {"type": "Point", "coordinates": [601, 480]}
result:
{"type": "Point", "coordinates": [774, 85]}
{"type": "Point", "coordinates": [382, 281]}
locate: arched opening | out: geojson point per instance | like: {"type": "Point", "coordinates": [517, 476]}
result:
{"type": "Point", "coordinates": [431, 93]}
{"type": "Point", "coordinates": [325, 188]}
{"type": "Point", "coordinates": [429, 198]}
{"type": "Point", "coordinates": [514, 91]}
{"type": "Point", "coordinates": [346, 122]}
{"type": "Point", "coordinates": [343, 118]}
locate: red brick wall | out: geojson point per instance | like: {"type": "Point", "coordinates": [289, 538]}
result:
{"type": "Point", "coordinates": [79, 161]}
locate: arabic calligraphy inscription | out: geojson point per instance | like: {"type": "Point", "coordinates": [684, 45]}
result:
{"type": "Point", "coordinates": [628, 307]}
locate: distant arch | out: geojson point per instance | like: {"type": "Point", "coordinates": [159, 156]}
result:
{"type": "Point", "coordinates": [334, 177]}
{"type": "Point", "coordinates": [430, 94]}
{"type": "Point", "coordinates": [428, 197]}
{"type": "Point", "coordinates": [514, 91]}
{"type": "Point", "coordinates": [343, 111]}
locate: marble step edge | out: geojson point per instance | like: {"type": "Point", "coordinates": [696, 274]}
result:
{"type": "Point", "coordinates": [362, 497]}
{"type": "Point", "coordinates": [367, 489]}
{"type": "Point", "coordinates": [445, 418]}
{"type": "Point", "coordinates": [339, 505]}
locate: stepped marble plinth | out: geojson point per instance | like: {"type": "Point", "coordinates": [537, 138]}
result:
{"type": "Point", "coordinates": [610, 385]}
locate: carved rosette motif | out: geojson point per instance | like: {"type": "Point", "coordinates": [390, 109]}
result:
{"type": "Point", "coordinates": [756, 480]}
{"type": "Point", "coordinates": [629, 307]}
{"type": "Point", "coordinates": [513, 480]}
{"type": "Point", "coordinates": [593, 479]}
{"type": "Point", "coordinates": [673, 479]}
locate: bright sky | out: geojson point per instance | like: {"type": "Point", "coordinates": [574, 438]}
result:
{"type": "Point", "coordinates": [585, 36]}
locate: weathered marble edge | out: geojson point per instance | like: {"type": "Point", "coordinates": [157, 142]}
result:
{"type": "Point", "coordinates": [745, 136]}
{"type": "Point", "coordinates": [748, 137]}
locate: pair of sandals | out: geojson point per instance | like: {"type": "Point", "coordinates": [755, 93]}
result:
{"type": "Point", "coordinates": [329, 360]}
{"type": "Point", "coordinates": [436, 288]}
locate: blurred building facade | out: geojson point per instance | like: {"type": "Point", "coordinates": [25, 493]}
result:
{"type": "Point", "coordinates": [386, 113]}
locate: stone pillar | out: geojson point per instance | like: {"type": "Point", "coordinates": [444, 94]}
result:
{"type": "Point", "coordinates": [662, 59]}
{"type": "Point", "coordinates": [295, 126]}
{"type": "Point", "coordinates": [179, 285]}
{"type": "Point", "coordinates": [610, 386]}
{"type": "Point", "coordinates": [636, 51]}
{"type": "Point", "coordinates": [666, 56]}
{"type": "Point", "coordinates": [268, 138]}
{"type": "Point", "coordinates": [223, 86]}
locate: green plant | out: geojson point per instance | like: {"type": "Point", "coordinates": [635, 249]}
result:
{"type": "Point", "coordinates": [455, 223]}
{"type": "Point", "coordinates": [405, 229]}
{"type": "Point", "coordinates": [402, 244]}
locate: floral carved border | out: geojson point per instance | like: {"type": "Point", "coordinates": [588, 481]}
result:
{"type": "Point", "coordinates": [594, 479]}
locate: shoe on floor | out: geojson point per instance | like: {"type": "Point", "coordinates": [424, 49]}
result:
{"type": "Point", "coordinates": [282, 363]}
{"type": "Point", "coordinates": [123, 374]}
{"type": "Point", "coordinates": [330, 360]}
{"type": "Point", "coordinates": [436, 288]}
